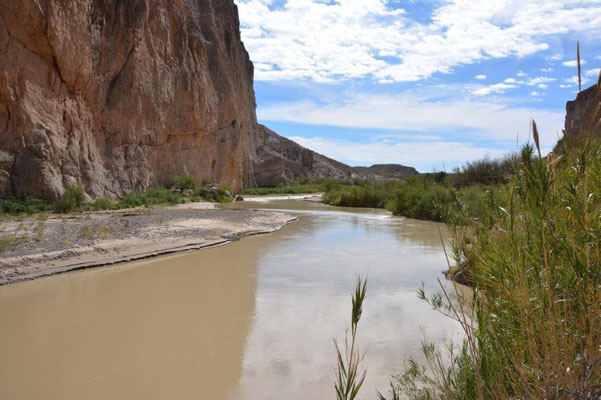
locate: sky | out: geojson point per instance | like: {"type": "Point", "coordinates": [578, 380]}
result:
{"type": "Point", "coordinates": [430, 84]}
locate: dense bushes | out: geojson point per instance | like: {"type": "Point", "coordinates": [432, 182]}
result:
{"type": "Point", "coordinates": [183, 190]}
{"type": "Point", "coordinates": [533, 325]}
{"type": "Point", "coordinates": [486, 171]}
{"type": "Point", "coordinates": [28, 206]}
{"type": "Point", "coordinates": [419, 197]}
{"type": "Point", "coordinates": [184, 182]}
{"type": "Point", "coordinates": [72, 199]}
{"type": "Point", "coordinates": [355, 196]}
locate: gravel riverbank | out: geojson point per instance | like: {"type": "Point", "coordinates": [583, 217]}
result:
{"type": "Point", "coordinates": [42, 246]}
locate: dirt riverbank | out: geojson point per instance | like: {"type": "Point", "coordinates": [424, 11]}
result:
{"type": "Point", "coordinates": [47, 245]}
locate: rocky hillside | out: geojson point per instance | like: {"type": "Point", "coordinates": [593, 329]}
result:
{"type": "Point", "coordinates": [280, 159]}
{"type": "Point", "coordinates": [121, 95]}
{"type": "Point", "coordinates": [385, 171]}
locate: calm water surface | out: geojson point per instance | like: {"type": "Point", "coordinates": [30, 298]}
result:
{"type": "Point", "coordinates": [253, 319]}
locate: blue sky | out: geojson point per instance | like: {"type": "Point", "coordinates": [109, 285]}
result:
{"type": "Point", "coordinates": [431, 83]}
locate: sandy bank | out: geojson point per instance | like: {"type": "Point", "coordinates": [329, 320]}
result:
{"type": "Point", "coordinates": [61, 243]}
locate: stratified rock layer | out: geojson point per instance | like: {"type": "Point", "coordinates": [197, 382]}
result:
{"type": "Point", "coordinates": [121, 95]}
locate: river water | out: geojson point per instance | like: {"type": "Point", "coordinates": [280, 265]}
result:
{"type": "Point", "coordinates": [253, 319]}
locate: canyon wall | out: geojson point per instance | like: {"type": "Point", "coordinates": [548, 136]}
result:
{"type": "Point", "coordinates": [122, 95]}
{"type": "Point", "coordinates": [581, 111]}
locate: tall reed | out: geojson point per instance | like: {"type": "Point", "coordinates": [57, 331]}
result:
{"type": "Point", "coordinates": [350, 374]}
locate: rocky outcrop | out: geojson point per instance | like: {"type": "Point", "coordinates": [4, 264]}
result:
{"type": "Point", "coordinates": [580, 112]}
{"type": "Point", "coordinates": [280, 159]}
{"type": "Point", "coordinates": [385, 171]}
{"type": "Point", "coordinates": [121, 95]}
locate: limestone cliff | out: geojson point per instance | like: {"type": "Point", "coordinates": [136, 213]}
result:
{"type": "Point", "coordinates": [120, 95]}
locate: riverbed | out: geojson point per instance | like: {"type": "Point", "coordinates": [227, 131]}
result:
{"type": "Point", "coordinates": [253, 319]}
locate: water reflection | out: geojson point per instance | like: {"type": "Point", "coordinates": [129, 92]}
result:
{"type": "Point", "coordinates": [173, 327]}
{"type": "Point", "coordinates": [251, 320]}
{"type": "Point", "coordinates": [303, 300]}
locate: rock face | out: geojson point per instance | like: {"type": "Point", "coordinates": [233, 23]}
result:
{"type": "Point", "coordinates": [583, 109]}
{"type": "Point", "coordinates": [121, 95]}
{"type": "Point", "coordinates": [385, 171]}
{"type": "Point", "coordinates": [280, 159]}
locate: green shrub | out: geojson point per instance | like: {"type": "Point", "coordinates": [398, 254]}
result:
{"type": "Point", "coordinates": [184, 182]}
{"type": "Point", "coordinates": [355, 196]}
{"type": "Point", "coordinates": [101, 203]}
{"type": "Point", "coordinates": [131, 200]}
{"type": "Point", "coordinates": [160, 195]}
{"type": "Point", "coordinates": [72, 199]}
{"type": "Point", "coordinates": [14, 206]}
{"type": "Point", "coordinates": [420, 198]}
{"type": "Point", "coordinates": [486, 171]}
{"type": "Point", "coordinates": [225, 188]}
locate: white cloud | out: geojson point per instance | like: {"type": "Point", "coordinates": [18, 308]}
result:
{"type": "Point", "coordinates": [412, 111]}
{"type": "Point", "coordinates": [546, 69]}
{"type": "Point", "coordinates": [555, 57]}
{"type": "Point", "coordinates": [573, 63]}
{"type": "Point", "coordinates": [522, 74]}
{"type": "Point", "coordinates": [543, 86]}
{"type": "Point", "coordinates": [510, 80]}
{"type": "Point", "coordinates": [496, 88]}
{"type": "Point", "coordinates": [539, 80]}
{"type": "Point", "coordinates": [480, 77]}
{"type": "Point", "coordinates": [592, 73]}
{"type": "Point", "coordinates": [329, 40]}
{"type": "Point", "coordinates": [535, 94]}
{"type": "Point", "coordinates": [420, 155]}
{"type": "Point", "coordinates": [573, 81]}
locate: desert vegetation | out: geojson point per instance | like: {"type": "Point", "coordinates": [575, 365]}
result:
{"type": "Point", "coordinates": [532, 326]}
{"type": "Point", "coordinates": [183, 189]}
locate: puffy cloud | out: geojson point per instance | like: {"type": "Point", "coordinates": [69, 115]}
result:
{"type": "Point", "coordinates": [573, 63]}
{"type": "Point", "coordinates": [496, 88]}
{"type": "Point", "coordinates": [327, 40]}
{"type": "Point", "coordinates": [481, 77]}
{"type": "Point", "coordinates": [539, 80]}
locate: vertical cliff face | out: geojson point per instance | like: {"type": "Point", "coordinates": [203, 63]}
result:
{"type": "Point", "coordinates": [580, 112]}
{"type": "Point", "coordinates": [119, 95]}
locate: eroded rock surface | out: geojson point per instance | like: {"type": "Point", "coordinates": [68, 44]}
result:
{"type": "Point", "coordinates": [121, 95]}
{"type": "Point", "coordinates": [583, 110]}
{"type": "Point", "coordinates": [280, 159]}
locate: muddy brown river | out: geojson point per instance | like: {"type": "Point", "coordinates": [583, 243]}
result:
{"type": "Point", "coordinates": [253, 319]}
